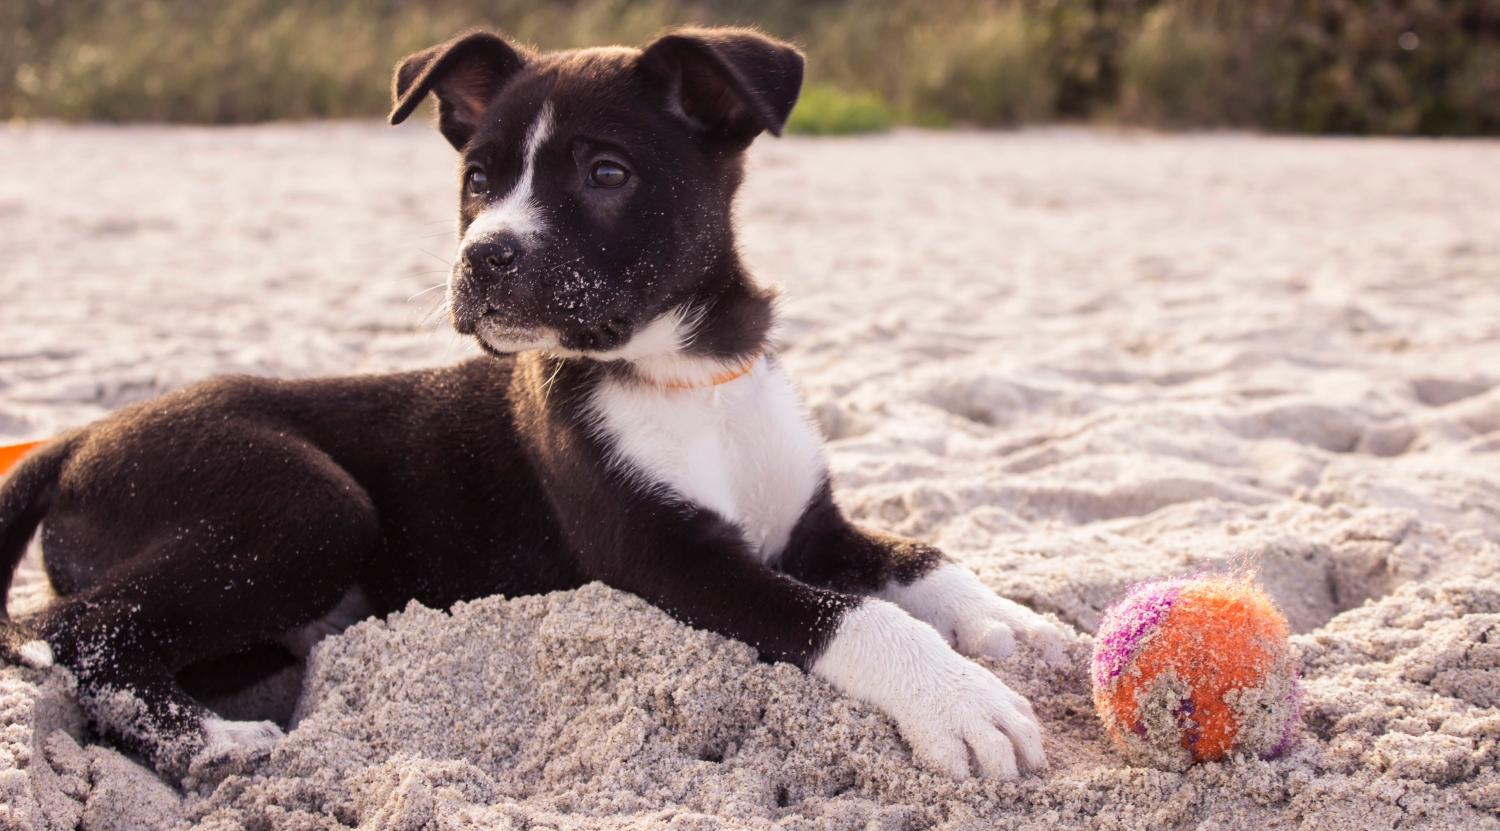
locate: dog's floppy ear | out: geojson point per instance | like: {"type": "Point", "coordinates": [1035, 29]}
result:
{"type": "Point", "coordinates": [727, 83]}
{"type": "Point", "coordinates": [464, 74]}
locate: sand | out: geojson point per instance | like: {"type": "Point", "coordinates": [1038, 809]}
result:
{"type": "Point", "coordinates": [1074, 359]}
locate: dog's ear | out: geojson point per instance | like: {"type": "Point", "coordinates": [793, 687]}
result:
{"type": "Point", "coordinates": [727, 83]}
{"type": "Point", "coordinates": [464, 74]}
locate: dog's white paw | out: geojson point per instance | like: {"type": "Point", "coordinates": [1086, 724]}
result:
{"type": "Point", "coordinates": [252, 736]}
{"type": "Point", "coordinates": [973, 619]}
{"type": "Point", "coordinates": [229, 748]}
{"type": "Point", "coordinates": [36, 654]}
{"type": "Point", "coordinates": [949, 708]}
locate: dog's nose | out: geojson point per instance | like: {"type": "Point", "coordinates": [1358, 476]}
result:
{"type": "Point", "coordinates": [492, 256]}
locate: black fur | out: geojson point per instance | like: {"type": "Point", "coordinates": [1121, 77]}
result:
{"type": "Point", "coordinates": [465, 74]}
{"type": "Point", "coordinates": [188, 534]}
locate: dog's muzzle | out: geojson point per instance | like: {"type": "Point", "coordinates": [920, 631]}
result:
{"type": "Point", "coordinates": [492, 259]}
{"type": "Point", "coordinates": [487, 282]}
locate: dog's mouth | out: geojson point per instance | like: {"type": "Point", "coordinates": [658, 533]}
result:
{"type": "Point", "coordinates": [496, 329]}
{"type": "Point", "coordinates": [517, 320]}
{"type": "Point", "coordinates": [502, 335]}
{"type": "Point", "coordinates": [569, 333]}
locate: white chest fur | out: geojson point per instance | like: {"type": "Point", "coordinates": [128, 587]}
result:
{"type": "Point", "coordinates": [745, 449]}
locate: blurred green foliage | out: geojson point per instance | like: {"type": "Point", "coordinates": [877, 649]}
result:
{"type": "Point", "coordinates": [1361, 66]}
{"type": "Point", "coordinates": [826, 111]}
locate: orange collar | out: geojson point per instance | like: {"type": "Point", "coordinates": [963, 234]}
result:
{"type": "Point", "coordinates": [720, 378]}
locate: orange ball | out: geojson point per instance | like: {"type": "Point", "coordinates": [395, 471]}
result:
{"type": "Point", "coordinates": [1194, 669]}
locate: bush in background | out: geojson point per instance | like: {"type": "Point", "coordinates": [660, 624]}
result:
{"type": "Point", "coordinates": [1427, 67]}
{"type": "Point", "coordinates": [1380, 66]}
{"type": "Point", "coordinates": [1176, 73]}
{"type": "Point", "coordinates": [991, 69]}
{"type": "Point", "coordinates": [1361, 66]}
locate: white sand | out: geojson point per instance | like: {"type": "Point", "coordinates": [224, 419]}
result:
{"type": "Point", "coordinates": [1073, 359]}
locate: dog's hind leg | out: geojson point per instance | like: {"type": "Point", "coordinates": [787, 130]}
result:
{"type": "Point", "coordinates": [25, 496]}
{"type": "Point", "coordinates": [203, 589]}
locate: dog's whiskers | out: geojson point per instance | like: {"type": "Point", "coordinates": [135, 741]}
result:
{"type": "Point", "coordinates": [424, 291]}
{"type": "Point", "coordinates": [440, 308]}
{"type": "Point", "coordinates": [434, 256]}
{"type": "Point", "coordinates": [395, 280]}
{"type": "Point", "coordinates": [547, 385]}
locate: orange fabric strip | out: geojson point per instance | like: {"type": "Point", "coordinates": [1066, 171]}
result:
{"type": "Point", "coordinates": [722, 378]}
{"type": "Point", "coordinates": [12, 453]}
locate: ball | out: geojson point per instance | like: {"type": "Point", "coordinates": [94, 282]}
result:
{"type": "Point", "coordinates": [1192, 669]}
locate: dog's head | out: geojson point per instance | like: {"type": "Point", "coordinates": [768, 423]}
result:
{"type": "Point", "coordinates": [597, 186]}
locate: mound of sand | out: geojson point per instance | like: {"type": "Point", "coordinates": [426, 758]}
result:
{"type": "Point", "coordinates": [591, 709]}
{"type": "Point", "coordinates": [1074, 360]}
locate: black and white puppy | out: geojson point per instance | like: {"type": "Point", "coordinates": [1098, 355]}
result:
{"type": "Point", "coordinates": [629, 424]}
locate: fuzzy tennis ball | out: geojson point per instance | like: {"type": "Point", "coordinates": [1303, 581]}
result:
{"type": "Point", "coordinates": [1191, 669]}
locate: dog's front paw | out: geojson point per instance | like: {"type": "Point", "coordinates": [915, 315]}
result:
{"type": "Point", "coordinates": [949, 708]}
{"type": "Point", "coordinates": [20, 645]}
{"type": "Point", "coordinates": [231, 747]}
{"type": "Point", "coordinates": [250, 736]}
{"type": "Point", "coordinates": [973, 619]}
{"type": "Point", "coordinates": [974, 715]}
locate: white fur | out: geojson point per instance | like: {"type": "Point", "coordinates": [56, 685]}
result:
{"type": "Point", "coordinates": [518, 212]}
{"type": "Point", "coordinates": [656, 352]}
{"type": "Point", "coordinates": [351, 609]}
{"type": "Point", "coordinates": [745, 449]}
{"type": "Point", "coordinates": [660, 339]}
{"type": "Point", "coordinates": [946, 705]}
{"type": "Point", "coordinates": [503, 338]}
{"type": "Point", "coordinates": [254, 735]}
{"type": "Point", "coordinates": [36, 654]}
{"type": "Point", "coordinates": [973, 619]}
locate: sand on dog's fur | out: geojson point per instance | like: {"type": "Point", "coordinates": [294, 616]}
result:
{"type": "Point", "coordinates": [1073, 359]}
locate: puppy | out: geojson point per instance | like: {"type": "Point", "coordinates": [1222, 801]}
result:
{"type": "Point", "coordinates": [629, 424]}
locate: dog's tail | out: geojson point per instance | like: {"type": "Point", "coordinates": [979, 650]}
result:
{"type": "Point", "coordinates": [25, 494]}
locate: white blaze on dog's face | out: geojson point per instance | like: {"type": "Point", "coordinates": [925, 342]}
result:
{"type": "Point", "coordinates": [597, 187]}
{"type": "Point", "coordinates": [504, 227]}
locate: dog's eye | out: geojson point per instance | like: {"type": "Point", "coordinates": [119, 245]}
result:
{"type": "Point", "coordinates": [608, 175]}
{"type": "Point", "coordinates": [477, 181]}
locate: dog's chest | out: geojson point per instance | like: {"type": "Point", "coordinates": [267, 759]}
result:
{"type": "Point", "coordinates": [745, 449]}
